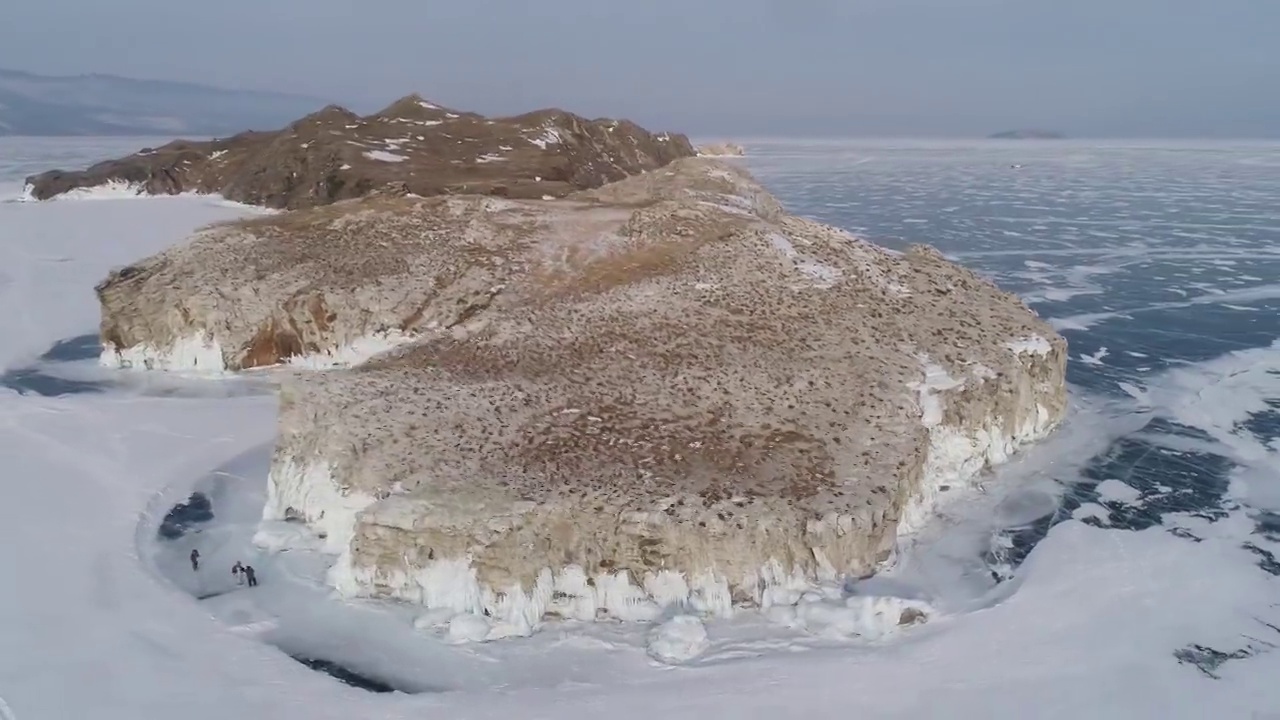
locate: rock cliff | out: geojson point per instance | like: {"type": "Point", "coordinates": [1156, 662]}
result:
{"type": "Point", "coordinates": [412, 146]}
{"type": "Point", "coordinates": [663, 391]}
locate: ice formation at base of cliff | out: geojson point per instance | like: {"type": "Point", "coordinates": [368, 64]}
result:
{"type": "Point", "coordinates": [111, 190]}
{"type": "Point", "coordinates": [307, 493]}
{"type": "Point", "coordinates": [196, 353]}
{"type": "Point", "coordinates": [957, 456]}
{"type": "Point", "coordinates": [202, 353]}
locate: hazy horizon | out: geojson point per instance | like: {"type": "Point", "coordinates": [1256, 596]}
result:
{"type": "Point", "coordinates": [802, 68]}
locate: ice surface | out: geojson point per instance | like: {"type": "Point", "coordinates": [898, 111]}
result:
{"type": "Point", "coordinates": [1132, 548]}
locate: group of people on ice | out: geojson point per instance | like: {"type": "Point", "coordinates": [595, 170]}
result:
{"type": "Point", "coordinates": [244, 574]}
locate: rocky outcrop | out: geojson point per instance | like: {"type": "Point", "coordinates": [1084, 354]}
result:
{"type": "Point", "coordinates": [411, 147]}
{"type": "Point", "coordinates": [724, 149]}
{"type": "Point", "coordinates": [666, 390]}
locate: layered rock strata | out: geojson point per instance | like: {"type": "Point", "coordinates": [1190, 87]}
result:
{"type": "Point", "coordinates": [412, 146]}
{"type": "Point", "coordinates": [664, 391]}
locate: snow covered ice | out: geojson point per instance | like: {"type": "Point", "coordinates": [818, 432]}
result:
{"type": "Point", "coordinates": [1125, 567]}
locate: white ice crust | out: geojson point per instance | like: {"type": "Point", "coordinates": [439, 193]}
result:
{"type": "Point", "coordinates": [110, 190]}
{"type": "Point", "coordinates": [450, 591]}
{"type": "Point", "coordinates": [827, 613]}
{"type": "Point", "coordinates": [1034, 345]}
{"type": "Point", "coordinates": [451, 584]}
{"type": "Point", "coordinates": [353, 353]}
{"type": "Point", "coordinates": [203, 353]}
{"type": "Point", "coordinates": [199, 353]}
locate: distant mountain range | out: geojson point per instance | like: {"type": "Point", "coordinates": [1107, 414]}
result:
{"type": "Point", "coordinates": [33, 104]}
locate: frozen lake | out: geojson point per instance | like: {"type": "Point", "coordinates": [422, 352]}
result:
{"type": "Point", "coordinates": [1125, 568]}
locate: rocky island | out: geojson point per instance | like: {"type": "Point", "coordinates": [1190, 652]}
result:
{"type": "Point", "coordinates": [412, 147]}
{"type": "Point", "coordinates": [661, 391]}
{"type": "Point", "coordinates": [1027, 135]}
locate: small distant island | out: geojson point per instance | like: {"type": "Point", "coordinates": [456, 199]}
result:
{"type": "Point", "coordinates": [1027, 135]}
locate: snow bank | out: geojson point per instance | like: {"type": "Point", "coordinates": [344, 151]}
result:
{"type": "Point", "coordinates": [832, 616]}
{"type": "Point", "coordinates": [353, 353]}
{"type": "Point", "coordinates": [111, 190]}
{"type": "Point", "coordinates": [465, 628]}
{"type": "Point", "coordinates": [384, 156]}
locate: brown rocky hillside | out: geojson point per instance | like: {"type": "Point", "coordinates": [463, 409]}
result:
{"type": "Point", "coordinates": [410, 147]}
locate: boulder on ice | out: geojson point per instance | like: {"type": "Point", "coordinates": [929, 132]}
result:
{"type": "Point", "coordinates": [663, 392]}
{"type": "Point", "coordinates": [412, 146]}
{"type": "Point", "coordinates": [680, 639]}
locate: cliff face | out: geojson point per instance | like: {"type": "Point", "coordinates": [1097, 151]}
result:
{"type": "Point", "coordinates": [412, 146]}
{"type": "Point", "coordinates": [662, 391]}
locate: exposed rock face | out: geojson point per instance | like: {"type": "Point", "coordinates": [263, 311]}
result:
{"type": "Point", "coordinates": [412, 146]}
{"type": "Point", "coordinates": [662, 391]}
{"type": "Point", "coordinates": [721, 150]}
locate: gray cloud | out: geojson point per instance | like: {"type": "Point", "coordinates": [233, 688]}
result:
{"type": "Point", "coordinates": [835, 67]}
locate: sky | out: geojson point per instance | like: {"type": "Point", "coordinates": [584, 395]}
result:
{"type": "Point", "coordinates": [1124, 68]}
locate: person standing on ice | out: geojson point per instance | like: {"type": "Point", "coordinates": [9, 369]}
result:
{"type": "Point", "coordinates": [238, 571]}
{"type": "Point", "coordinates": [195, 559]}
{"type": "Point", "coordinates": [249, 575]}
